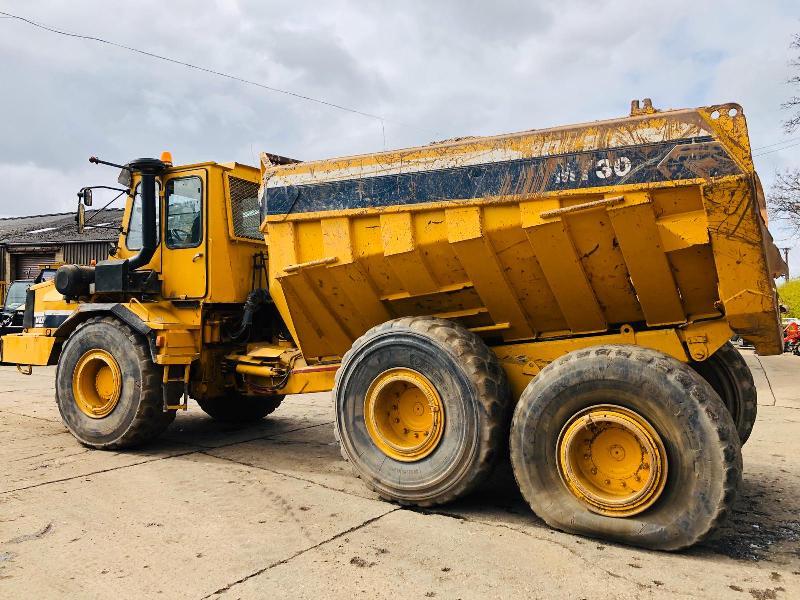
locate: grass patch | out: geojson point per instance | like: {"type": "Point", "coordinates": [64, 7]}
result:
{"type": "Point", "coordinates": [789, 292]}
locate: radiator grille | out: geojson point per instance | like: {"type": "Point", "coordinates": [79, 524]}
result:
{"type": "Point", "coordinates": [245, 208]}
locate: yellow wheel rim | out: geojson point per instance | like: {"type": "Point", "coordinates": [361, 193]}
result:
{"type": "Point", "coordinates": [404, 414]}
{"type": "Point", "coordinates": [612, 460]}
{"type": "Point", "coordinates": [96, 383]}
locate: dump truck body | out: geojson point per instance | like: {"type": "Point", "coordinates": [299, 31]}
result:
{"type": "Point", "coordinates": [649, 229]}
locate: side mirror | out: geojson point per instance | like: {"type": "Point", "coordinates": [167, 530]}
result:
{"type": "Point", "coordinates": [86, 196]}
{"type": "Point", "coordinates": [80, 218]}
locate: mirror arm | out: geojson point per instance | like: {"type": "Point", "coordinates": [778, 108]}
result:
{"type": "Point", "coordinates": [108, 187]}
{"type": "Point", "coordinates": [101, 209]}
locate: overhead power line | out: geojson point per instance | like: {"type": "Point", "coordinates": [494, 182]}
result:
{"type": "Point", "coordinates": [786, 141]}
{"type": "Point", "coordinates": [196, 67]}
{"type": "Point", "coordinates": [777, 149]}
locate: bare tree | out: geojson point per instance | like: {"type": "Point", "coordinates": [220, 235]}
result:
{"type": "Point", "coordinates": [784, 197]}
{"type": "Point", "coordinates": [793, 103]}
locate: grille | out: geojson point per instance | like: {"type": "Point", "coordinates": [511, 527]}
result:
{"type": "Point", "coordinates": [245, 208]}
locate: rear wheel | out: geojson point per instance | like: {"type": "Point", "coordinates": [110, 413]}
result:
{"type": "Point", "coordinates": [108, 389]}
{"type": "Point", "coordinates": [421, 410]}
{"type": "Point", "coordinates": [236, 408]}
{"type": "Point", "coordinates": [729, 375]}
{"type": "Point", "coordinates": [628, 444]}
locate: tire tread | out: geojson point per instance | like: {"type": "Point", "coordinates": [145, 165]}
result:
{"type": "Point", "coordinates": [483, 369]}
{"type": "Point", "coordinates": [697, 390]}
{"type": "Point", "coordinates": [150, 420]}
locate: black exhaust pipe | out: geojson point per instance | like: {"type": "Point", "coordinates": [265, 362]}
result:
{"type": "Point", "coordinates": [73, 281]}
{"type": "Point", "coordinates": [149, 168]}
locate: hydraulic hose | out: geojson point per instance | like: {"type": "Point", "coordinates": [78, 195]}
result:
{"type": "Point", "coordinates": [255, 300]}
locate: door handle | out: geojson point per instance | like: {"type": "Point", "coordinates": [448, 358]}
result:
{"type": "Point", "coordinates": [196, 256]}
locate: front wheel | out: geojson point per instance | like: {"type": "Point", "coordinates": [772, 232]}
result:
{"type": "Point", "coordinates": [628, 444]}
{"type": "Point", "coordinates": [108, 389]}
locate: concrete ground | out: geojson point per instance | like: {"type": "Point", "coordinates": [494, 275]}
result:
{"type": "Point", "coordinates": [271, 510]}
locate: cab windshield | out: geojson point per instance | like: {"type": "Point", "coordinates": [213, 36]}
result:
{"type": "Point", "coordinates": [15, 297]}
{"type": "Point", "coordinates": [133, 239]}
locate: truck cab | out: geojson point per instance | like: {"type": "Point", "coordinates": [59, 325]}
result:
{"type": "Point", "coordinates": [14, 306]}
{"type": "Point", "coordinates": [188, 254]}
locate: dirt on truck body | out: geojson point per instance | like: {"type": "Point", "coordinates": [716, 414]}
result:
{"type": "Point", "coordinates": [567, 292]}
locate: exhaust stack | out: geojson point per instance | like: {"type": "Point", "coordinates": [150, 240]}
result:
{"type": "Point", "coordinates": [121, 276]}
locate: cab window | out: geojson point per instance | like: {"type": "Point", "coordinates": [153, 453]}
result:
{"type": "Point", "coordinates": [15, 297]}
{"type": "Point", "coordinates": [133, 239]}
{"type": "Point", "coordinates": [184, 214]}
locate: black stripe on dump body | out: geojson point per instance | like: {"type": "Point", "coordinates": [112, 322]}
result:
{"type": "Point", "coordinates": [643, 163]}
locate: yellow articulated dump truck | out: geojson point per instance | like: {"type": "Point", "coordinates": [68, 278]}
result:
{"type": "Point", "coordinates": [566, 295]}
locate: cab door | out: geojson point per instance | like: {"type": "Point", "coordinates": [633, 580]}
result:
{"type": "Point", "coordinates": [183, 256]}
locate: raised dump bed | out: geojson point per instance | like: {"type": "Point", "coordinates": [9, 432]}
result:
{"type": "Point", "coordinates": [583, 260]}
{"type": "Point", "coordinates": [649, 222]}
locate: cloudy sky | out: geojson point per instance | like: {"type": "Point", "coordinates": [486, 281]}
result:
{"type": "Point", "coordinates": [432, 70]}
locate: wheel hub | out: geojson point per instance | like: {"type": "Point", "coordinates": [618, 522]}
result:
{"type": "Point", "coordinates": [404, 414]}
{"type": "Point", "coordinates": [96, 383]}
{"type": "Point", "coordinates": [613, 460]}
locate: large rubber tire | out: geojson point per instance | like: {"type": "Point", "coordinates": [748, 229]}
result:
{"type": "Point", "coordinates": [476, 401]}
{"type": "Point", "coordinates": [138, 416]}
{"type": "Point", "coordinates": [702, 446]}
{"type": "Point", "coordinates": [236, 408]}
{"type": "Point", "coordinates": [729, 375]}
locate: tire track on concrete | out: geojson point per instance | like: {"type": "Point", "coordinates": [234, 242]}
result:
{"type": "Point", "coordinates": [99, 472]}
{"type": "Point", "coordinates": [16, 414]}
{"type": "Point", "coordinates": [591, 564]}
{"type": "Point", "coordinates": [197, 449]}
{"type": "Point", "coordinates": [288, 475]}
{"type": "Point", "coordinates": [254, 439]}
{"type": "Point", "coordinates": [422, 511]}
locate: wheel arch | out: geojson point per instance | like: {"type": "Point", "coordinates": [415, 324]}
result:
{"type": "Point", "coordinates": [113, 309]}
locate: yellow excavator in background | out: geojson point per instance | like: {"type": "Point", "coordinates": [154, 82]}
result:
{"type": "Point", "coordinates": [567, 292]}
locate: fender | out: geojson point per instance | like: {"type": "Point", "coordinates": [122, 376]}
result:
{"type": "Point", "coordinates": [91, 309]}
{"type": "Point", "coordinates": [120, 311]}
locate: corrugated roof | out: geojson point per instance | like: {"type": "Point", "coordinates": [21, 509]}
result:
{"type": "Point", "coordinates": [60, 228]}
